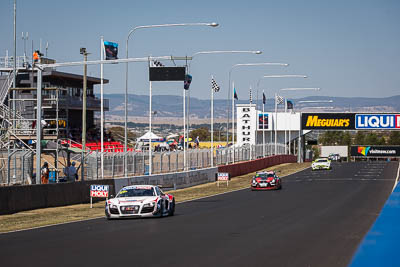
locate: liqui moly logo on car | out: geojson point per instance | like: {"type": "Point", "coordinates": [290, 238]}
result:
{"type": "Point", "coordinates": [99, 190]}
{"type": "Point", "coordinates": [377, 121]}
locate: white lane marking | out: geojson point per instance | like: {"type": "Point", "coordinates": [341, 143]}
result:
{"type": "Point", "coordinates": [397, 178]}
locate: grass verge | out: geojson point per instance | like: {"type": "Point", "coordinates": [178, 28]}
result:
{"type": "Point", "coordinates": [51, 216]}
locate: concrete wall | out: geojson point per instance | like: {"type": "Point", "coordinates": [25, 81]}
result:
{"type": "Point", "coordinates": [170, 180]}
{"type": "Point", "coordinates": [28, 197]}
{"type": "Point", "coordinates": [241, 168]}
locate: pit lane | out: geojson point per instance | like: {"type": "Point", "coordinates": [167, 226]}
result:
{"type": "Point", "coordinates": [317, 219]}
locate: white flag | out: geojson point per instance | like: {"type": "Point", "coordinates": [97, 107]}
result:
{"type": "Point", "coordinates": [279, 99]}
{"type": "Point", "coordinates": [214, 84]}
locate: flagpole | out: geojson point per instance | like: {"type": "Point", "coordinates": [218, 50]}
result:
{"type": "Point", "coordinates": [290, 126]}
{"type": "Point", "coordinates": [102, 106]}
{"type": "Point", "coordinates": [184, 129]}
{"type": "Point", "coordinates": [212, 123]}
{"type": "Point", "coordinates": [285, 125]}
{"type": "Point", "coordinates": [263, 128]}
{"type": "Point", "coordinates": [150, 136]}
{"type": "Point", "coordinates": [233, 122]}
{"type": "Point", "coordinates": [251, 150]}
{"type": "Point", "coordinates": [276, 122]}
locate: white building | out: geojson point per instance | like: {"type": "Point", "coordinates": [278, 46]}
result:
{"type": "Point", "coordinates": [285, 126]}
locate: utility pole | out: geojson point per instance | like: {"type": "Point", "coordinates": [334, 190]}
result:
{"type": "Point", "coordinates": [85, 54]}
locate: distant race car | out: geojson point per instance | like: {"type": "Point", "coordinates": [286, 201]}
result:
{"type": "Point", "coordinates": [321, 164]}
{"type": "Point", "coordinates": [266, 180]}
{"type": "Point", "coordinates": [140, 201]}
{"type": "Point", "coordinates": [334, 157]}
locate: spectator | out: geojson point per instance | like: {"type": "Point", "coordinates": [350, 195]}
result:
{"type": "Point", "coordinates": [197, 142]}
{"type": "Point", "coordinates": [44, 172]}
{"type": "Point", "coordinates": [36, 56]}
{"type": "Point", "coordinates": [73, 175]}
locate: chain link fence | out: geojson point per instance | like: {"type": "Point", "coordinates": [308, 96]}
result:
{"type": "Point", "coordinates": [167, 162]}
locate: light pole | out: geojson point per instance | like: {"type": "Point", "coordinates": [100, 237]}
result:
{"type": "Point", "coordinates": [85, 54]}
{"type": "Point", "coordinates": [212, 24]}
{"type": "Point", "coordinates": [257, 52]}
{"type": "Point", "coordinates": [25, 38]}
{"type": "Point", "coordinates": [230, 94]}
{"type": "Point", "coordinates": [296, 89]}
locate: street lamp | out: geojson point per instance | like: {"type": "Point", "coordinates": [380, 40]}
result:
{"type": "Point", "coordinates": [257, 52]}
{"type": "Point", "coordinates": [212, 24]}
{"type": "Point", "coordinates": [230, 94]}
{"type": "Point", "coordinates": [85, 54]}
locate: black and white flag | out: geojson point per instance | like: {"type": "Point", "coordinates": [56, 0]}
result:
{"type": "Point", "coordinates": [279, 99]}
{"type": "Point", "coordinates": [251, 97]}
{"type": "Point", "coordinates": [215, 86]}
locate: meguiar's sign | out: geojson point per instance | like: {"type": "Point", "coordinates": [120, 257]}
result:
{"type": "Point", "coordinates": [327, 121]}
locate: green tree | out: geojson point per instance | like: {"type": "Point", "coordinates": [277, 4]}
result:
{"type": "Point", "coordinates": [394, 138]}
{"type": "Point", "coordinates": [359, 139]}
{"type": "Point", "coordinates": [203, 133]}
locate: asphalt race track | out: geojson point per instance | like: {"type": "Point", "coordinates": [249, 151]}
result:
{"type": "Point", "coordinates": [317, 219]}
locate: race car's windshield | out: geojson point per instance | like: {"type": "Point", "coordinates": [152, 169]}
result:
{"type": "Point", "coordinates": [321, 160]}
{"type": "Point", "coordinates": [264, 175]}
{"type": "Point", "coordinates": [136, 192]}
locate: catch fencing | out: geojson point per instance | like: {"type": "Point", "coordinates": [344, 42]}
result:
{"type": "Point", "coordinates": [171, 161]}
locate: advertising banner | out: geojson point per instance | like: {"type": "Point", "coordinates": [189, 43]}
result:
{"type": "Point", "coordinates": [263, 121]}
{"type": "Point", "coordinates": [99, 190]}
{"type": "Point", "coordinates": [375, 151]}
{"type": "Point", "coordinates": [378, 121]}
{"type": "Point", "coordinates": [327, 121]}
{"type": "Point", "coordinates": [246, 124]}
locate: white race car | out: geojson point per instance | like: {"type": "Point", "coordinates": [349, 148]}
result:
{"type": "Point", "coordinates": [140, 201]}
{"type": "Point", "coordinates": [321, 164]}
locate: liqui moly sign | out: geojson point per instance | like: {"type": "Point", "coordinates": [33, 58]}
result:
{"type": "Point", "coordinates": [246, 124]}
{"type": "Point", "coordinates": [378, 121]}
{"type": "Point", "coordinates": [99, 190]}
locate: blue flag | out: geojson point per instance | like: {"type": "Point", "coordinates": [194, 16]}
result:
{"type": "Point", "coordinates": [234, 94]}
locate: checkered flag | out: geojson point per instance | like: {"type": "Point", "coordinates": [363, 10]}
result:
{"type": "Point", "coordinates": [279, 99]}
{"type": "Point", "coordinates": [156, 63]}
{"type": "Point", "coordinates": [251, 97]}
{"type": "Point", "coordinates": [214, 85]}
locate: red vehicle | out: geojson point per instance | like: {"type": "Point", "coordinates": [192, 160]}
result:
{"type": "Point", "coordinates": [266, 181]}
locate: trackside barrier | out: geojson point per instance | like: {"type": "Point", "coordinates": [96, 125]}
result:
{"type": "Point", "coordinates": [28, 197]}
{"type": "Point", "coordinates": [241, 168]}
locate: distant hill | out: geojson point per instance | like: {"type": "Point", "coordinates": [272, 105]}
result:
{"type": "Point", "coordinates": [171, 106]}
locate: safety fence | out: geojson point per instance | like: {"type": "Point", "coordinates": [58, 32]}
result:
{"type": "Point", "coordinates": [137, 163]}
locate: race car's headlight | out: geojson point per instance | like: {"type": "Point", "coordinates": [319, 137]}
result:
{"type": "Point", "coordinates": [151, 204]}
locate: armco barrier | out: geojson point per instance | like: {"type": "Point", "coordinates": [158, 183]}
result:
{"type": "Point", "coordinates": [171, 180]}
{"type": "Point", "coordinates": [241, 168]}
{"type": "Point", "coordinates": [19, 198]}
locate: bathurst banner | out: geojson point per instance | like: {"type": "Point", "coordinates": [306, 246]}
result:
{"type": "Point", "coordinates": [327, 121]}
{"type": "Point", "coordinates": [375, 151]}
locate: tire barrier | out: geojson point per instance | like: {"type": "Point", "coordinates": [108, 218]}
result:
{"type": "Point", "coordinates": [241, 168]}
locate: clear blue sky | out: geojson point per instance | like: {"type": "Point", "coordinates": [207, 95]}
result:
{"type": "Point", "coordinates": [348, 48]}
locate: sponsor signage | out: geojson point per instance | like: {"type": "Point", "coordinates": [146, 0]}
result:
{"type": "Point", "coordinates": [327, 121]}
{"type": "Point", "coordinates": [375, 151]}
{"type": "Point", "coordinates": [99, 190]}
{"type": "Point", "coordinates": [263, 121]}
{"type": "Point", "coordinates": [378, 121]}
{"type": "Point", "coordinates": [246, 124]}
{"type": "Point", "coordinates": [223, 176]}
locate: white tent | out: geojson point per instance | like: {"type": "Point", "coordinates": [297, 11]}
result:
{"type": "Point", "coordinates": [149, 135]}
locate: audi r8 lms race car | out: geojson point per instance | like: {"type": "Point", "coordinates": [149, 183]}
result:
{"type": "Point", "coordinates": [140, 201]}
{"type": "Point", "coordinates": [266, 181]}
{"type": "Point", "coordinates": [321, 164]}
